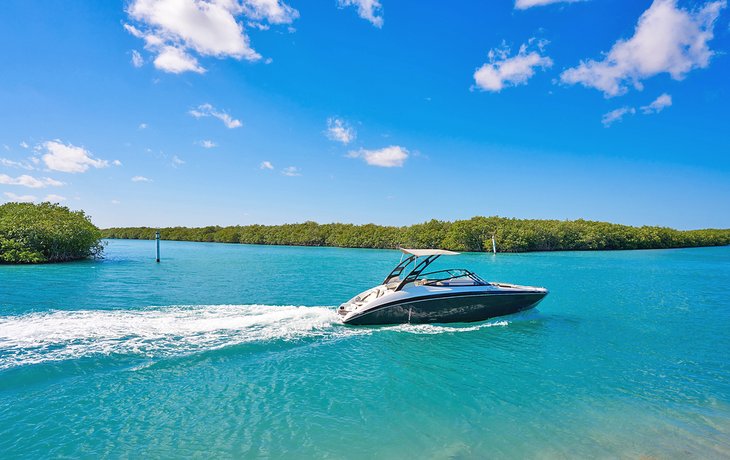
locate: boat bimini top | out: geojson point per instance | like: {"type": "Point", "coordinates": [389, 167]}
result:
{"type": "Point", "coordinates": [421, 259]}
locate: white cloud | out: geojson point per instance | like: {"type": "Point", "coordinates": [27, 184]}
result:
{"type": "Point", "coordinates": [667, 39]}
{"type": "Point", "coordinates": [656, 106]}
{"type": "Point", "coordinates": [10, 163]}
{"type": "Point", "coordinates": [339, 130]}
{"type": "Point", "coordinates": [616, 115]}
{"type": "Point", "coordinates": [274, 11]}
{"type": "Point", "coordinates": [117, 163]}
{"type": "Point", "coordinates": [208, 27]}
{"type": "Point", "coordinates": [142, 126]}
{"type": "Point", "coordinates": [175, 29]}
{"type": "Point", "coordinates": [137, 59]}
{"type": "Point", "coordinates": [207, 144]}
{"type": "Point", "coordinates": [29, 181]}
{"type": "Point", "coordinates": [502, 71]}
{"type": "Point", "coordinates": [177, 161]}
{"type": "Point", "coordinates": [115, 202]}
{"type": "Point", "coordinates": [266, 165]}
{"type": "Point", "coordinates": [141, 179]}
{"type": "Point", "coordinates": [69, 158]}
{"type": "Point", "coordinates": [207, 110]}
{"type": "Point", "coordinates": [659, 104]}
{"type": "Point", "coordinates": [176, 60]}
{"type": "Point", "coordinates": [16, 164]}
{"type": "Point", "coordinates": [54, 198]}
{"type": "Point", "coordinates": [370, 10]}
{"type": "Point", "coordinates": [136, 32]}
{"type": "Point", "coordinates": [388, 157]}
{"type": "Point", "coordinates": [20, 198]}
{"type": "Point", "coordinates": [524, 4]}
{"type": "Point", "coordinates": [291, 171]}
{"type": "Point", "coordinates": [24, 144]}
{"type": "Point", "coordinates": [258, 25]}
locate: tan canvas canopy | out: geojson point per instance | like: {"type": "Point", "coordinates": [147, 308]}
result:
{"type": "Point", "coordinates": [429, 252]}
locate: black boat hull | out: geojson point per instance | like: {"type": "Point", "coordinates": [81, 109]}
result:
{"type": "Point", "coordinates": [464, 308]}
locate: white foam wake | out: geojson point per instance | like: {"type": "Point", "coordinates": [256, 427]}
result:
{"type": "Point", "coordinates": [443, 329]}
{"type": "Point", "coordinates": [175, 330]}
{"type": "Point", "coordinates": [156, 331]}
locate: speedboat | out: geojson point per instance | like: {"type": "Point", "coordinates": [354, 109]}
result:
{"type": "Point", "coordinates": [409, 295]}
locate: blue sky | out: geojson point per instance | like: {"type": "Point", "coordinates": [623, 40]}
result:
{"type": "Point", "coordinates": [184, 112]}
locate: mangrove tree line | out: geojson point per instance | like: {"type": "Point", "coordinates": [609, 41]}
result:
{"type": "Point", "coordinates": [512, 235]}
{"type": "Point", "coordinates": [46, 232]}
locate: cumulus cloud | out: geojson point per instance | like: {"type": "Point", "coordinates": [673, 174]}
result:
{"type": "Point", "coordinates": [24, 144]}
{"type": "Point", "coordinates": [175, 60]}
{"type": "Point", "coordinates": [387, 157]}
{"type": "Point", "coordinates": [207, 110]}
{"type": "Point", "coordinates": [667, 39]}
{"type": "Point", "coordinates": [177, 30]}
{"type": "Point", "coordinates": [173, 29]}
{"type": "Point", "coordinates": [266, 165]}
{"type": "Point", "coordinates": [20, 198]}
{"type": "Point", "coordinates": [339, 130]}
{"type": "Point", "coordinates": [659, 104]}
{"type": "Point", "coordinates": [291, 171]}
{"type": "Point", "coordinates": [370, 10]}
{"type": "Point", "coordinates": [69, 158]}
{"type": "Point", "coordinates": [141, 179]}
{"type": "Point", "coordinates": [177, 161]}
{"type": "Point", "coordinates": [273, 11]}
{"type": "Point", "coordinates": [137, 60]}
{"type": "Point", "coordinates": [616, 115]}
{"type": "Point", "coordinates": [524, 4]}
{"type": "Point", "coordinates": [29, 181]}
{"type": "Point", "coordinates": [54, 198]}
{"type": "Point", "coordinates": [503, 71]}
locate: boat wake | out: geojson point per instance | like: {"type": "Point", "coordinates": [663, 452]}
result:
{"type": "Point", "coordinates": [441, 329]}
{"type": "Point", "coordinates": [173, 331]}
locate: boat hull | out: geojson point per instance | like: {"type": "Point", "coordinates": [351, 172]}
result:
{"type": "Point", "coordinates": [449, 308]}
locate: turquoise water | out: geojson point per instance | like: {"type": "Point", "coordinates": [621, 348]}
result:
{"type": "Point", "coordinates": [235, 351]}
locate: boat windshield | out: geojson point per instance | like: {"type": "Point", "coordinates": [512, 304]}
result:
{"type": "Point", "coordinates": [451, 277]}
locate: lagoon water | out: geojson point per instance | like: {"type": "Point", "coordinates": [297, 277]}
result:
{"type": "Point", "coordinates": [235, 351]}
